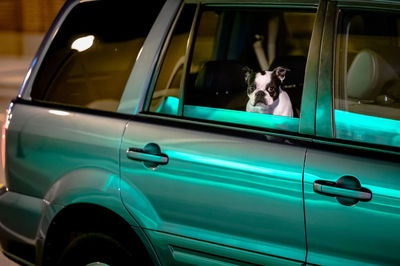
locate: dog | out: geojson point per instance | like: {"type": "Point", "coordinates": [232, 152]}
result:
{"type": "Point", "coordinates": [265, 93]}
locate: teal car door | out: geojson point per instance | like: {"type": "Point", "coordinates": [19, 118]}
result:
{"type": "Point", "coordinates": [352, 206]}
{"type": "Point", "coordinates": [209, 183]}
{"type": "Point", "coordinates": [351, 176]}
{"type": "Point", "coordinates": [199, 194]}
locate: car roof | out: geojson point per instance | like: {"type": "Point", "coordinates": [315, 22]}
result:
{"type": "Point", "coordinates": [291, 1]}
{"type": "Point", "coordinates": [283, 2]}
{"type": "Point", "coordinates": [370, 1]}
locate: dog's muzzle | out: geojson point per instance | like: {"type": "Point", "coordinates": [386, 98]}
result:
{"type": "Point", "coordinates": [259, 98]}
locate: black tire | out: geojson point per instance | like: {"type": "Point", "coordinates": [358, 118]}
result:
{"type": "Point", "coordinates": [96, 248]}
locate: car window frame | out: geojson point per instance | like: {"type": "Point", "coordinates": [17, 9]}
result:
{"type": "Point", "coordinates": [130, 101]}
{"type": "Point", "coordinates": [307, 117]}
{"type": "Point", "coordinates": [328, 78]}
{"type": "Point", "coordinates": [48, 39]}
{"type": "Point", "coordinates": [141, 78]}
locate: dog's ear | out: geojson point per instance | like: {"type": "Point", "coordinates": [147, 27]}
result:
{"type": "Point", "coordinates": [247, 73]}
{"type": "Point", "coordinates": [280, 72]}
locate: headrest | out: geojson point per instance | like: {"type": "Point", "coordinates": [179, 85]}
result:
{"type": "Point", "coordinates": [220, 77]}
{"type": "Point", "coordinates": [295, 77]}
{"type": "Point", "coordinates": [296, 64]}
{"type": "Point", "coordinates": [367, 75]}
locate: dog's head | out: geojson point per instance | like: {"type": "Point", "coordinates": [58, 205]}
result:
{"type": "Point", "coordinates": [263, 87]}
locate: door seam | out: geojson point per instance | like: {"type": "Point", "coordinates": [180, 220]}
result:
{"type": "Point", "coordinates": [304, 206]}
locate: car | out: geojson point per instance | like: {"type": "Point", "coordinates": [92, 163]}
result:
{"type": "Point", "coordinates": [210, 132]}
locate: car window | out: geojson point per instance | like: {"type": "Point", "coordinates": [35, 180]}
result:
{"type": "Point", "coordinates": [170, 75]}
{"type": "Point", "coordinates": [243, 66]}
{"type": "Point", "coordinates": [367, 101]}
{"type": "Point", "coordinates": [92, 54]}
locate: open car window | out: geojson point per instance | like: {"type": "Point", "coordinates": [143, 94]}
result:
{"type": "Point", "coordinates": [242, 66]}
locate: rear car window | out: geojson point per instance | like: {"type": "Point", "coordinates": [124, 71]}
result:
{"type": "Point", "coordinates": [207, 78]}
{"type": "Point", "coordinates": [367, 103]}
{"type": "Point", "coordinates": [93, 53]}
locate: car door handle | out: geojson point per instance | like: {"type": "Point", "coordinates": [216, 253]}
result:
{"type": "Point", "coordinates": [143, 156]}
{"type": "Point", "coordinates": [347, 190]}
{"type": "Point", "coordinates": [150, 155]}
{"type": "Point", "coordinates": [330, 188]}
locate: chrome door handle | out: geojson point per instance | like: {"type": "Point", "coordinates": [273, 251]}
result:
{"type": "Point", "coordinates": [143, 156]}
{"type": "Point", "coordinates": [325, 187]}
{"type": "Point", "coordinates": [150, 155]}
{"type": "Point", "coordinates": [347, 190]}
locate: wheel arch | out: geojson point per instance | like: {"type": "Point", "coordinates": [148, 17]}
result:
{"type": "Point", "coordinates": [78, 218]}
{"type": "Point", "coordinates": [83, 199]}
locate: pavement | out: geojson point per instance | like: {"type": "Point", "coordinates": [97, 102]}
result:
{"type": "Point", "coordinates": [12, 73]}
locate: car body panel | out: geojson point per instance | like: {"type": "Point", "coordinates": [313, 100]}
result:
{"type": "Point", "coordinates": [366, 232]}
{"type": "Point", "coordinates": [67, 160]}
{"type": "Point", "coordinates": [20, 216]}
{"type": "Point", "coordinates": [375, 4]}
{"type": "Point", "coordinates": [156, 209]}
{"type": "Point", "coordinates": [256, 199]}
{"type": "Point", "coordinates": [291, 3]}
{"type": "Point", "coordinates": [179, 250]}
{"type": "Point", "coordinates": [308, 109]}
{"type": "Point", "coordinates": [323, 115]}
{"type": "Point", "coordinates": [37, 147]}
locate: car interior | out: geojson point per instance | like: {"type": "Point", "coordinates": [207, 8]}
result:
{"type": "Point", "coordinates": [94, 77]}
{"type": "Point", "coordinates": [228, 40]}
{"type": "Point", "coordinates": [372, 80]}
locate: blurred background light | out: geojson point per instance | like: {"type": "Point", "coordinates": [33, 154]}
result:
{"type": "Point", "coordinates": [83, 43]}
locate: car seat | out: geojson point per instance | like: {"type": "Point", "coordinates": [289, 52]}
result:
{"type": "Point", "coordinates": [219, 84]}
{"type": "Point", "coordinates": [369, 79]}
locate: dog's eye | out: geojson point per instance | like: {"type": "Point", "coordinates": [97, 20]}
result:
{"type": "Point", "coordinates": [270, 89]}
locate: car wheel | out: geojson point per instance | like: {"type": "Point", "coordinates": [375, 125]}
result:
{"type": "Point", "coordinates": [97, 249]}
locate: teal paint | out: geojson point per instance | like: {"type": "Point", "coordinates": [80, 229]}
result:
{"type": "Point", "coordinates": [170, 107]}
{"type": "Point", "coordinates": [366, 233]}
{"type": "Point", "coordinates": [221, 189]}
{"type": "Point", "coordinates": [364, 128]}
{"type": "Point", "coordinates": [241, 117]}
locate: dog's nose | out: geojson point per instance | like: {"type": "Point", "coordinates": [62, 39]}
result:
{"type": "Point", "coordinates": [260, 94]}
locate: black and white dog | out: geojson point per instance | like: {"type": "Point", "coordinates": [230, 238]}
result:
{"type": "Point", "coordinates": [265, 93]}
